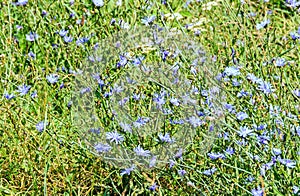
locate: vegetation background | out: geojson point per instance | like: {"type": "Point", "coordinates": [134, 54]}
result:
{"type": "Point", "coordinates": [254, 43]}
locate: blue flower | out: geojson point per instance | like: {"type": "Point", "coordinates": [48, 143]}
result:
{"type": "Point", "coordinates": [233, 53]}
{"type": "Point", "coordinates": [165, 138]}
{"type": "Point", "coordinates": [40, 126]}
{"type": "Point", "coordinates": [260, 127]}
{"type": "Point", "coordinates": [257, 192]}
{"type": "Point", "coordinates": [148, 20]}
{"type": "Point", "coordinates": [242, 116]}
{"type": "Point", "coordinates": [200, 113]}
{"type": "Point", "coordinates": [171, 163]}
{"type": "Point", "coordinates": [176, 122]}
{"type": "Point", "coordinates": [243, 93]}
{"type": "Point", "coordinates": [226, 136]}
{"type": "Point", "coordinates": [32, 36]}
{"type": "Point", "coordinates": [244, 132]}
{"type": "Point", "coordinates": [126, 127]}
{"type": "Point", "coordinates": [297, 92]}
{"type": "Point", "coordinates": [159, 99]}
{"type": "Point", "coordinates": [280, 62]}
{"type": "Point", "coordinates": [229, 107]}
{"type": "Point", "coordinates": [296, 189]}
{"type": "Point", "coordinates": [164, 54]}
{"type": "Point", "coordinates": [235, 82]}
{"type": "Point", "coordinates": [141, 152]}
{"type": "Point", "coordinates": [263, 24]}
{"type": "Point", "coordinates": [153, 187]}
{"type": "Point", "coordinates": [250, 178]}
{"type": "Point", "coordinates": [52, 78]}
{"type": "Point", "coordinates": [85, 90]}
{"type": "Point", "coordinates": [253, 78]}
{"type": "Point", "coordinates": [94, 130]}
{"type": "Point", "coordinates": [100, 148]}
{"type": "Point", "coordinates": [136, 96]}
{"type": "Point", "coordinates": [118, 88]}
{"type": "Point", "coordinates": [263, 139]}
{"type": "Point", "coordinates": [34, 94]}
{"type": "Point", "coordinates": [21, 2]}
{"type": "Point", "coordinates": [127, 170]}
{"type": "Point", "coordinates": [68, 39]}
{"type": "Point", "coordinates": [123, 61]}
{"type": "Point", "coordinates": [274, 110]}
{"type": "Point", "coordinates": [270, 12]}
{"type": "Point", "coordinates": [96, 46]}
{"type": "Point", "coordinates": [137, 61]}
{"type": "Point", "coordinates": [279, 121]}
{"type": "Point", "coordinates": [72, 15]}
{"type": "Point", "coordinates": [108, 94]}
{"type": "Point", "coordinates": [119, 3]}
{"type": "Point", "coordinates": [210, 172]}
{"type": "Point", "coordinates": [276, 151]}
{"type": "Point", "coordinates": [287, 162]}
{"type": "Point", "coordinates": [140, 122]}
{"type": "Point", "coordinates": [9, 96]}
{"type": "Point", "coordinates": [263, 170]}
{"type": "Point", "coordinates": [98, 3]}
{"type": "Point", "coordinates": [187, 99]}
{"type": "Point", "coordinates": [114, 137]}
{"type": "Point", "coordinates": [70, 103]}
{"type": "Point", "coordinates": [219, 77]}
{"type": "Point", "coordinates": [152, 161]}
{"type": "Point", "coordinates": [215, 156]}
{"type": "Point", "coordinates": [266, 87]}
{"type": "Point", "coordinates": [123, 101]}
{"type": "Point", "coordinates": [295, 35]}
{"type": "Point", "coordinates": [255, 157]}
{"type": "Point", "coordinates": [44, 13]}
{"type": "Point", "coordinates": [19, 27]}
{"type": "Point", "coordinates": [63, 32]}
{"type": "Point", "coordinates": [82, 40]}
{"type": "Point", "coordinates": [230, 151]}
{"type": "Point", "coordinates": [23, 89]}
{"type": "Point", "coordinates": [54, 46]}
{"type": "Point", "coordinates": [204, 93]}
{"type": "Point", "coordinates": [292, 3]}
{"type": "Point", "coordinates": [31, 55]}
{"type": "Point", "coordinates": [231, 71]}
{"type": "Point", "coordinates": [179, 153]}
{"type": "Point", "coordinates": [113, 21]}
{"type": "Point", "coordinates": [194, 90]}
{"type": "Point", "coordinates": [181, 172]}
{"type": "Point", "coordinates": [195, 122]}
{"type": "Point", "coordinates": [298, 130]}
{"type": "Point", "coordinates": [130, 80]}
{"type": "Point", "coordinates": [242, 142]}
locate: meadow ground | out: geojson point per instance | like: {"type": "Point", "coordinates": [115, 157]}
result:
{"type": "Point", "coordinates": [254, 46]}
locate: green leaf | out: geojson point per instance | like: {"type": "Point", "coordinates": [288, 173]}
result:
{"type": "Point", "coordinates": [186, 13]}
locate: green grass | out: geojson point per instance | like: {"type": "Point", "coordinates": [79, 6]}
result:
{"type": "Point", "coordinates": [57, 162]}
